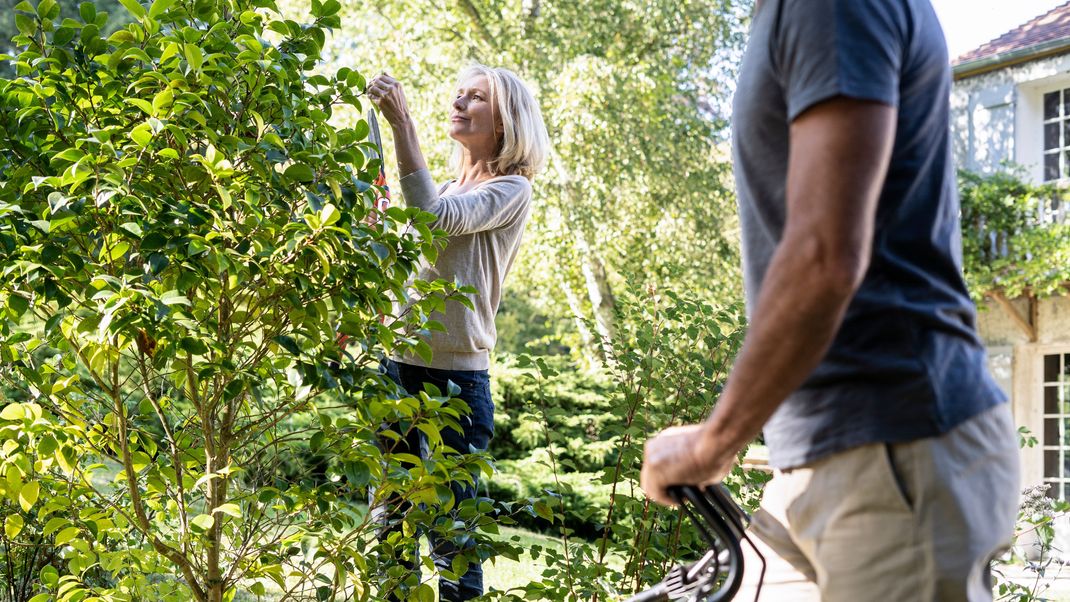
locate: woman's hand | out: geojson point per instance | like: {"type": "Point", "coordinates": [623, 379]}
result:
{"type": "Point", "coordinates": [682, 455]}
{"type": "Point", "coordinates": [386, 93]}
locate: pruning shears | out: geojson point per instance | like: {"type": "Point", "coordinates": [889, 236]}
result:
{"type": "Point", "coordinates": [382, 202]}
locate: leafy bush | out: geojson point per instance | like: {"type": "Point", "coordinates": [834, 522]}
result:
{"type": "Point", "coordinates": [580, 498]}
{"type": "Point", "coordinates": [183, 233]}
{"type": "Point", "coordinates": [580, 439]}
{"type": "Point", "coordinates": [575, 403]}
{"type": "Point", "coordinates": [1013, 238]}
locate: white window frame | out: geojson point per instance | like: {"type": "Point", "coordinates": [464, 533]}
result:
{"type": "Point", "coordinates": [1029, 126]}
{"type": "Point", "coordinates": [1061, 122]}
{"type": "Point", "coordinates": [1054, 401]}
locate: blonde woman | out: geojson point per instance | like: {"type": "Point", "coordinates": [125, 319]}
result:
{"type": "Point", "coordinates": [501, 143]}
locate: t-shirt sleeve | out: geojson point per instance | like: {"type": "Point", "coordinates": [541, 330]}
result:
{"type": "Point", "coordinates": [830, 48]}
{"type": "Point", "coordinates": [495, 204]}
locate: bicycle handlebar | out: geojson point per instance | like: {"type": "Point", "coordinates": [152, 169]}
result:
{"type": "Point", "coordinates": [657, 593]}
{"type": "Point", "coordinates": [717, 576]}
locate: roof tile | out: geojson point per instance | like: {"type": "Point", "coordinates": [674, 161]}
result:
{"type": "Point", "coordinates": [1052, 25]}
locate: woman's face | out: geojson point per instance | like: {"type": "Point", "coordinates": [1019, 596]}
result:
{"type": "Point", "coordinates": [473, 118]}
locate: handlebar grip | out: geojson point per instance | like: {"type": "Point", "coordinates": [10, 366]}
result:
{"type": "Point", "coordinates": [658, 593]}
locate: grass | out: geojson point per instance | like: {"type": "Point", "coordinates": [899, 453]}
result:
{"type": "Point", "coordinates": [505, 574]}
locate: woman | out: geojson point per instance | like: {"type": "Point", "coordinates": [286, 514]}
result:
{"type": "Point", "coordinates": [501, 145]}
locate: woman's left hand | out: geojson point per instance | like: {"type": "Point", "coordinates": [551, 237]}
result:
{"type": "Point", "coordinates": [387, 94]}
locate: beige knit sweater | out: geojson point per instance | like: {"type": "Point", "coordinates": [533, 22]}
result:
{"type": "Point", "coordinates": [485, 225]}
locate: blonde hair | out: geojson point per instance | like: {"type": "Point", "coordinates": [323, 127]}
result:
{"type": "Point", "coordinates": [525, 144]}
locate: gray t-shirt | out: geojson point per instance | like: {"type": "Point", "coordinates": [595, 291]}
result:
{"type": "Point", "coordinates": [907, 362]}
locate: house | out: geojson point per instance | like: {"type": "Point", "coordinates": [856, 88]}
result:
{"type": "Point", "coordinates": [1011, 105]}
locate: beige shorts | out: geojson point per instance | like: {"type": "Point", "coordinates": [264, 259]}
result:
{"type": "Point", "coordinates": [905, 521]}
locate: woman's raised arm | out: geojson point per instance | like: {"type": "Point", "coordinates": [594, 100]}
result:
{"type": "Point", "coordinates": [387, 94]}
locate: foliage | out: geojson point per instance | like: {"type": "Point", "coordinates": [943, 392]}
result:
{"type": "Point", "coordinates": [1037, 517]}
{"type": "Point", "coordinates": [1014, 239]}
{"type": "Point", "coordinates": [638, 190]}
{"type": "Point", "coordinates": [182, 233]}
{"type": "Point", "coordinates": [117, 17]}
{"type": "Point", "coordinates": [668, 367]}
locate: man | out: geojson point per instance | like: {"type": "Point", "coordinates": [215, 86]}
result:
{"type": "Point", "coordinates": [896, 458]}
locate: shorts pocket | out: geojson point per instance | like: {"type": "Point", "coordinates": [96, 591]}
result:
{"type": "Point", "coordinates": [898, 470]}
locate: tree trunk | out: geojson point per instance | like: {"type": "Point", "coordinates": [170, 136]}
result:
{"type": "Point", "coordinates": [601, 296]}
{"type": "Point", "coordinates": [586, 338]}
{"type": "Point", "coordinates": [599, 293]}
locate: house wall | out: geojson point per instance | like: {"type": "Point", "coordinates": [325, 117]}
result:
{"type": "Point", "coordinates": [996, 116]}
{"type": "Point", "coordinates": [1016, 362]}
{"type": "Point", "coordinates": [996, 123]}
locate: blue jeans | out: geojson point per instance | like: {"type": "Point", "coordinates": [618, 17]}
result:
{"type": "Point", "coordinates": [478, 430]}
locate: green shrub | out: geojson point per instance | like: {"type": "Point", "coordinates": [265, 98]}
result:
{"type": "Point", "coordinates": [575, 404]}
{"type": "Point", "coordinates": [183, 233]}
{"type": "Point", "coordinates": [581, 497]}
{"type": "Point", "coordinates": [1012, 238]}
{"type": "Point", "coordinates": [570, 443]}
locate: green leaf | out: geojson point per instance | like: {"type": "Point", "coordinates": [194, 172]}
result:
{"type": "Point", "coordinates": [203, 522]}
{"type": "Point", "coordinates": [424, 593]}
{"type": "Point", "coordinates": [142, 104]}
{"type": "Point", "coordinates": [132, 228]}
{"type": "Point", "coordinates": [158, 262]}
{"type": "Point", "coordinates": [47, 446]}
{"type": "Point", "coordinates": [193, 346]}
{"type": "Point", "coordinates": [12, 412]}
{"type": "Point", "coordinates": [48, 9]}
{"type": "Point", "coordinates": [331, 7]}
{"type": "Point", "coordinates": [88, 11]}
{"type": "Point", "coordinates": [25, 24]}
{"type": "Point", "coordinates": [159, 7]}
{"type": "Point", "coordinates": [152, 241]}
{"type": "Point", "coordinates": [329, 215]}
{"type": "Point", "coordinates": [229, 509]}
{"type": "Point", "coordinates": [63, 36]}
{"type": "Point", "coordinates": [141, 135]}
{"type": "Point", "coordinates": [18, 305]}
{"type": "Point", "coordinates": [28, 495]}
{"type": "Point", "coordinates": [273, 139]}
{"type": "Point", "coordinates": [288, 344]}
{"type": "Point", "coordinates": [300, 172]}
{"type": "Point", "coordinates": [194, 56]}
{"type": "Point", "coordinates": [357, 473]}
{"type": "Point", "coordinates": [66, 535]}
{"type": "Point", "coordinates": [381, 251]}
{"type": "Point", "coordinates": [118, 251]}
{"type": "Point", "coordinates": [134, 7]}
{"type": "Point", "coordinates": [424, 351]}
{"type": "Point", "coordinates": [162, 101]}
{"type": "Point", "coordinates": [13, 526]}
{"type": "Point", "coordinates": [543, 511]}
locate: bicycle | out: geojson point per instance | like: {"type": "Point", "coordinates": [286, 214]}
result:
{"type": "Point", "coordinates": [718, 575]}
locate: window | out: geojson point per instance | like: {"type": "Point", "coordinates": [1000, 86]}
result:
{"type": "Point", "coordinates": [1057, 135]}
{"type": "Point", "coordinates": [1056, 391]}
